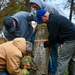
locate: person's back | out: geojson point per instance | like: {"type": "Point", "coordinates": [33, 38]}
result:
{"type": "Point", "coordinates": [6, 53]}
{"type": "Point", "coordinates": [64, 30]}
{"type": "Point", "coordinates": [23, 26]}
{"type": "Point", "coordinates": [11, 54]}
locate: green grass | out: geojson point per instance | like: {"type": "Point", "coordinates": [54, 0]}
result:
{"type": "Point", "coordinates": [66, 71]}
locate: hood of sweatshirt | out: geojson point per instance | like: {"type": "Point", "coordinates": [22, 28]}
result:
{"type": "Point", "coordinates": [48, 6]}
{"type": "Point", "coordinates": [20, 43]}
{"type": "Point", "coordinates": [40, 3]}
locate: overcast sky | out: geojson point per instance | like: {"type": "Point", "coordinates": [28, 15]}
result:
{"type": "Point", "coordinates": [61, 4]}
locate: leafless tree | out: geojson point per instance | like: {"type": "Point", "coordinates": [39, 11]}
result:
{"type": "Point", "coordinates": [70, 5]}
{"type": "Point", "coordinates": [28, 7]}
{"type": "Point", "coordinates": [71, 9]}
{"type": "Point", "coordinates": [2, 4]}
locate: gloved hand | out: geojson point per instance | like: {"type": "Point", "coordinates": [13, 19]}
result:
{"type": "Point", "coordinates": [29, 68]}
{"type": "Point", "coordinates": [46, 44]}
{"type": "Point", "coordinates": [26, 72]}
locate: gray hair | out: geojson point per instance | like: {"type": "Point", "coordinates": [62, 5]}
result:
{"type": "Point", "coordinates": [29, 46]}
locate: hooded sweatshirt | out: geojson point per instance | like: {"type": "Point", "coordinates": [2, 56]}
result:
{"type": "Point", "coordinates": [23, 27]}
{"type": "Point", "coordinates": [11, 54]}
{"type": "Point", "coordinates": [47, 6]}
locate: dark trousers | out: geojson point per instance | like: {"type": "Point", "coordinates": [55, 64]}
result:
{"type": "Point", "coordinates": [53, 61]}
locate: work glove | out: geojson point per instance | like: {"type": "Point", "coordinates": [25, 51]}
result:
{"type": "Point", "coordinates": [46, 44]}
{"type": "Point", "coordinates": [29, 68]}
{"type": "Point", "coordinates": [26, 72]}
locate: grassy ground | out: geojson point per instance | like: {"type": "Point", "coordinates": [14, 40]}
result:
{"type": "Point", "coordinates": [66, 72]}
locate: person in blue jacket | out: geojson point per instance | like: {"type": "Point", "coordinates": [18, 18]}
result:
{"type": "Point", "coordinates": [40, 4]}
{"type": "Point", "coordinates": [18, 25]}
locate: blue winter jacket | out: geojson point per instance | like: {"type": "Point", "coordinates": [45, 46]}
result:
{"type": "Point", "coordinates": [23, 28]}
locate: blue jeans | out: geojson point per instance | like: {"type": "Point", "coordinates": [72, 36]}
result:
{"type": "Point", "coordinates": [4, 73]}
{"type": "Point", "coordinates": [52, 67]}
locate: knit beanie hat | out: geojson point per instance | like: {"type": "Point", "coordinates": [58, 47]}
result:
{"type": "Point", "coordinates": [8, 23]}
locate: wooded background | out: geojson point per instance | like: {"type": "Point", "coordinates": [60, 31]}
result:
{"type": "Point", "coordinates": [9, 7]}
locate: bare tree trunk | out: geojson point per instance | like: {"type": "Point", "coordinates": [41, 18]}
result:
{"type": "Point", "coordinates": [28, 7]}
{"type": "Point", "coordinates": [1, 4]}
{"type": "Point", "coordinates": [72, 3]}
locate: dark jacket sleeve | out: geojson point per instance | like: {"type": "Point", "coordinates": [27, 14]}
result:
{"type": "Point", "coordinates": [53, 32]}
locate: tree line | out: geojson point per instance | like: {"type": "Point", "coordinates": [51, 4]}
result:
{"type": "Point", "coordinates": [9, 7]}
